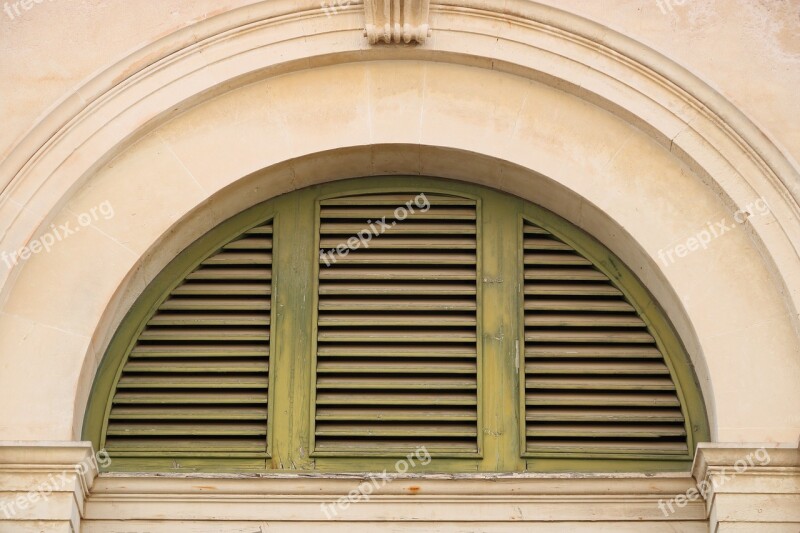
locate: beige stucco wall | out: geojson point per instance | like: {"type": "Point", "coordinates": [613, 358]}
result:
{"type": "Point", "coordinates": [748, 50]}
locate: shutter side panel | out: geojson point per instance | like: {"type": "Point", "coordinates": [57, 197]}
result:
{"type": "Point", "coordinates": [196, 382]}
{"type": "Point", "coordinates": [595, 380]}
{"type": "Point", "coordinates": [397, 327]}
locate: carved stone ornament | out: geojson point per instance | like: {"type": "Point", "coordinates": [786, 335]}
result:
{"type": "Point", "coordinates": [395, 21]}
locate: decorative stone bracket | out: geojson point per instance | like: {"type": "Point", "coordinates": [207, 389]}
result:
{"type": "Point", "coordinates": [393, 21]}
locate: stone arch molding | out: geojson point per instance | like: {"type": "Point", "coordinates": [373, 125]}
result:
{"type": "Point", "coordinates": [276, 96]}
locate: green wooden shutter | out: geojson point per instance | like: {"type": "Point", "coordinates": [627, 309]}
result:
{"type": "Point", "coordinates": [196, 381]}
{"type": "Point", "coordinates": [596, 382]}
{"type": "Point", "coordinates": [499, 345]}
{"type": "Point", "coordinates": [396, 357]}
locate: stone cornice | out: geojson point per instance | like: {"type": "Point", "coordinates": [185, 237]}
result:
{"type": "Point", "coordinates": [44, 458]}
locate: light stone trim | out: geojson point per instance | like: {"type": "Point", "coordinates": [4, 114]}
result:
{"type": "Point", "coordinates": [760, 498]}
{"type": "Point", "coordinates": [745, 497]}
{"type": "Point", "coordinates": [464, 498]}
{"type": "Point", "coordinates": [25, 465]}
{"type": "Point", "coordinates": [395, 21]}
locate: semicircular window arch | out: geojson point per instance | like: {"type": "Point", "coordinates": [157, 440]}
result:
{"type": "Point", "coordinates": [347, 326]}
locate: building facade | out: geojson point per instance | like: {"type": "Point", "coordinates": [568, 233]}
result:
{"type": "Point", "coordinates": [595, 233]}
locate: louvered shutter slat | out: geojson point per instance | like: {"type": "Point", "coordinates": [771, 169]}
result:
{"type": "Point", "coordinates": [188, 413]}
{"type": "Point", "coordinates": [397, 328]}
{"type": "Point", "coordinates": [405, 367]}
{"type": "Point", "coordinates": [238, 350]}
{"type": "Point", "coordinates": [415, 257]}
{"type": "Point", "coordinates": [397, 304]}
{"type": "Point", "coordinates": [603, 415]}
{"type": "Point", "coordinates": [191, 398]}
{"type": "Point", "coordinates": [395, 414]}
{"type": "Point", "coordinates": [388, 350]}
{"type": "Point", "coordinates": [216, 304]}
{"type": "Point", "coordinates": [209, 319]}
{"type": "Point", "coordinates": [408, 227]}
{"type": "Point", "coordinates": [600, 398]}
{"type": "Point", "coordinates": [196, 382]}
{"type": "Point", "coordinates": [400, 397]}
{"type": "Point", "coordinates": [595, 380]}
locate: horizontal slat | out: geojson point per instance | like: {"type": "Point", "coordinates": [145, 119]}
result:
{"type": "Point", "coordinates": [602, 351]}
{"type": "Point", "coordinates": [378, 212]}
{"type": "Point", "coordinates": [160, 446]}
{"type": "Point", "coordinates": [397, 273]}
{"type": "Point", "coordinates": [177, 334]}
{"type": "Point", "coordinates": [388, 335]}
{"type": "Point", "coordinates": [397, 367]}
{"type": "Point", "coordinates": [570, 304]}
{"type": "Point", "coordinates": [239, 258]}
{"type": "Point", "coordinates": [583, 320]}
{"type": "Point", "coordinates": [370, 257]}
{"type": "Point", "coordinates": [396, 304]}
{"type": "Point", "coordinates": [386, 446]}
{"type": "Point", "coordinates": [601, 399]}
{"type": "Point", "coordinates": [543, 258]}
{"type": "Point", "coordinates": [239, 350]}
{"type": "Point", "coordinates": [230, 273]}
{"type": "Point", "coordinates": [570, 289]}
{"type": "Point", "coordinates": [188, 413]}
{"type": "Point", "coordinates": [155, 365]}
{"type": "Point", "coordinates": [405, 350]}
{"type": "Point", "coordinates": [598, 336]}
{"type": "Point", "coordinates": [616, 367]}
{"type": "Point", "coordinates": [398, 415]}
{"type": "Point", "coordinates": [397, 289]}
{"type": "Point", "coordinates": [529, 229]}
{"type": "Point", "coordinates": [643, 431]}
{"type": "Point", "coordinates": [544, 243]}
{"type": "Point", "coordinates": [250, 243]}
{"type": "Point", "coordinates": [397, 200]}
{"type": "Point", "coordinates": [599, 383]}
{"type": "Point", "coordinates": [397, 398]}
{"type": "Point", "coordinates": [567, 414]}
{"type": "Point", "coordinates": [408, 227]}
{"type": "Point", "coordinates": [190, 398]}
{"type": "Point", "coordinates": [197, 288]}
{"type": "Point", "coordinates": [417, 319]}
{"type": "Point", "coordinates": [387, 242]}
{"type": "Point", "coordinates": [216, 304]}
{"type": "Point", "coordinates": [206, 428]}
{"type": "Point", "coordinates": [396, 383]}
{"type": "Point", "coordinates": [597, 446]}
{"type": "Point", "coordinates": [210, 319]}
{"type": "Point", "coordinates": [198, 382]}
{"type": "Point", "coordinates": [260, 230]}
{"type": "Point", "coordinates": [395, 430]}
{"type": "Point", "coordinates": [564, 273]}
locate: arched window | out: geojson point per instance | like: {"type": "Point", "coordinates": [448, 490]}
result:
{"type": "Point", "coordinates": [340, 327]}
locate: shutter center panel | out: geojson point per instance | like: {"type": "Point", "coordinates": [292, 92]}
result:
{"type": "Point", "coordinates": [396, 356]}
